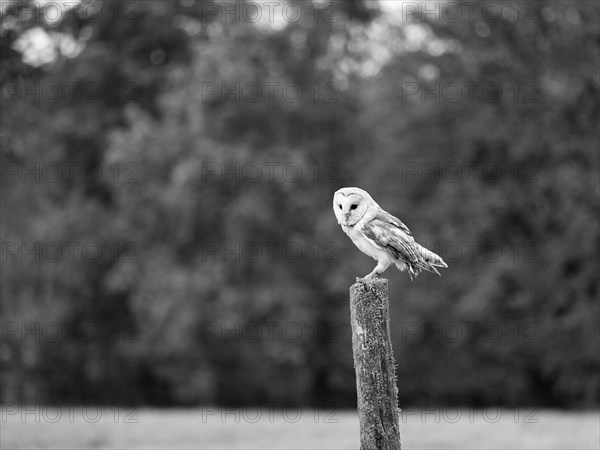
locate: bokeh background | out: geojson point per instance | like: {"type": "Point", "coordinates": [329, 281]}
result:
{"type": "Point", "coordinates": [167, 176]}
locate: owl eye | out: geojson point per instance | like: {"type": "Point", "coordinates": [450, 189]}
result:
{"type": "Point", "coordinates": [354, 206]}
{"type": "Point", "coordinates": [340, 206]}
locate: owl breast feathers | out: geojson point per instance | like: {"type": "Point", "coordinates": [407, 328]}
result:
{"type": "Point", "coordinates": [380, 235]}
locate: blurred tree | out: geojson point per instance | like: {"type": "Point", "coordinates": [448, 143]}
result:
{"type": "Point", "coordinates": [496, 121]}
{"type": "Point", "coordinates": [116, 65]}
{"type": "Point", "coordinates": [223, 276]}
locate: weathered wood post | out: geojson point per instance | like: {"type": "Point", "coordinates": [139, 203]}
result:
{"type": "Point", "coordinates": [374, 365]}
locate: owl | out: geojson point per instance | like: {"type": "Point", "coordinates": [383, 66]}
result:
{"type": "Point", "coordinates": [380, 235]}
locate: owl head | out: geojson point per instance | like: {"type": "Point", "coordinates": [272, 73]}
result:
{"type": "Point", "coordinates": [350, 204]}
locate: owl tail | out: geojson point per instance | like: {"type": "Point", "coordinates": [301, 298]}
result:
{"type": "Point", "coordinates": [429, 262]}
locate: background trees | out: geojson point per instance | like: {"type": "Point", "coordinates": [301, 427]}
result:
{"type": "Point", "coordinates": [480, 133]}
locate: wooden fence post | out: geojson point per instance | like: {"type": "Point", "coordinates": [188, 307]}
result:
{"type": "Point", "coordinates": [374, 364]}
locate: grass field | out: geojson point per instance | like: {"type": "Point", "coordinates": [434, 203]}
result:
{"type": "Point", "coordinates": [62, 427]}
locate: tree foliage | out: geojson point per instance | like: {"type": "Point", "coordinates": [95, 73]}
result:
{"type": "Point", "coordinates": [223, 275]}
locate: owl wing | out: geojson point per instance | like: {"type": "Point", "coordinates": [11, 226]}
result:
{"type": "Point", "coordinates": [385, 216]}
{"type": "Point", "coordinates": [389, 233]}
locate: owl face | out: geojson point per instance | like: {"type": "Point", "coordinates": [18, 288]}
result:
{"type": "Point", "coordinates": [350, 205]}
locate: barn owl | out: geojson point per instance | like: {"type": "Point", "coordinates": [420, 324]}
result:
{"type": "Point", "coordinates": [380, 235]}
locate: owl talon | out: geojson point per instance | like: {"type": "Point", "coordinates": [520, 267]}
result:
{"type": "Point", "coordinates": [368, 278]}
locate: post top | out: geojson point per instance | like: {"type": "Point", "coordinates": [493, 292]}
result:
{"type": "Point", "coordinates": [370, 284]}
